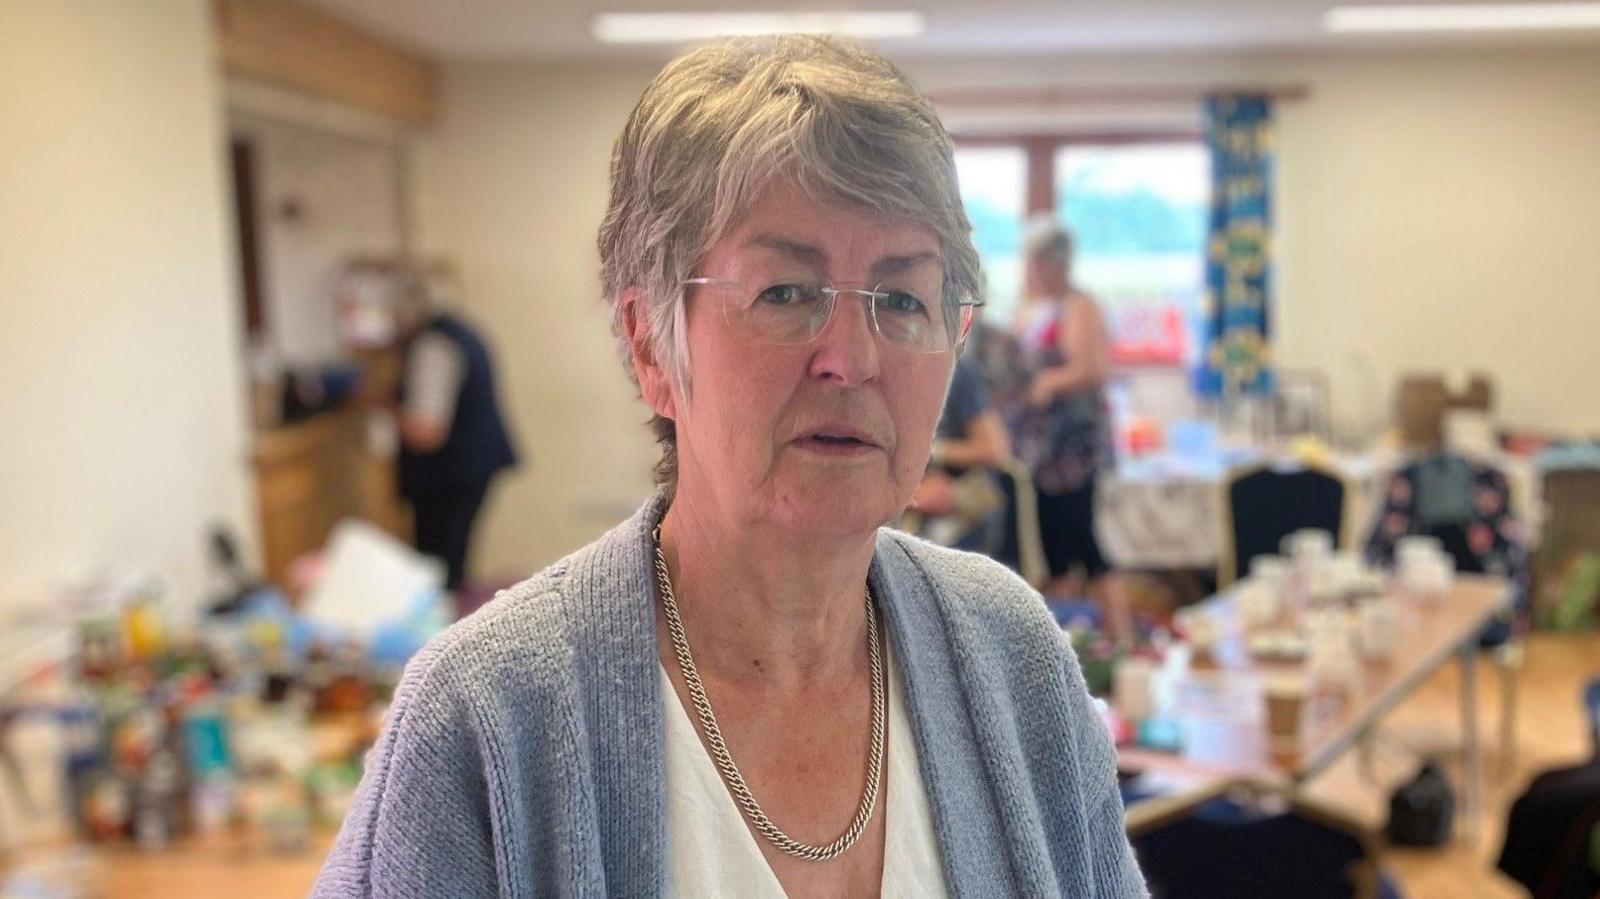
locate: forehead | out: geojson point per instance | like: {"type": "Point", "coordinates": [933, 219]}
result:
{"type": "Point", "coordinates": [786, 224]}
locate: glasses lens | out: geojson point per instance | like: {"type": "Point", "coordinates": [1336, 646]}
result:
{"type": "Point", "coordinates": [786, 312]}
{"type": "Point", "coordinates": [911, 316]}
{"type": "Point", "coordinates": [789, 312]}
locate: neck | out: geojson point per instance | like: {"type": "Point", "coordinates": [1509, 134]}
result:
{"type": "Point", "coordinates": [761, 605]}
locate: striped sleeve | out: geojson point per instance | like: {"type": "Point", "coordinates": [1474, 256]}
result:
{"type": "Point", "coordinates": [434, 371]}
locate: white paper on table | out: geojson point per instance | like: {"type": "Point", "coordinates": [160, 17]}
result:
{"type": "Point", "coordinates": [369, 578]}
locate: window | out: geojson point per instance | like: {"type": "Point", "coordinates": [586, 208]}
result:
{"type": "Point", "coordinates": [1138, 211]}
{"type": "Point", "coordinates": [993, 190]}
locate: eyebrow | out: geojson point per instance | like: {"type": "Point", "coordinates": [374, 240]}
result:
{"type": "Point", "coordinates": [814, 256]}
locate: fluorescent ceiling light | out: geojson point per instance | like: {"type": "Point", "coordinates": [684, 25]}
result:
{"type": "Point", "coordinates": [666, 28]}
{"type": "Point", "coordinates": [1463, 17]}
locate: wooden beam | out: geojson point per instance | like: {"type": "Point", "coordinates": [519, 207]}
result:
{"type": "Point", "coordinates": [1055, 97]}
{"type": "Point", "coordinates": [1074, 138]}
{"type": "Point", "coordinates": [1041, 175]}
{"type": "Point", "coordinates": [288, 44]}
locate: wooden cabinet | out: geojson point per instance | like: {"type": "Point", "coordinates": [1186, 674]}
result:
{"type": "Point", "coordinates": [314, 474]}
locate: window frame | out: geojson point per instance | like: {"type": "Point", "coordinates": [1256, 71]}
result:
{"type": "Point", "coordinates": [1039, 152]}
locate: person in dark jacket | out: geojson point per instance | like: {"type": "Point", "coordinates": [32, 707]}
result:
{"type": "Point", "coordinates": [453, 440]}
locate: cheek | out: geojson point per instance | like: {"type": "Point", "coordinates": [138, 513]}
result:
{"type": "Point", "coordinates": [917, 404]}
{"type": "Point", "coordinates": [737, 395]}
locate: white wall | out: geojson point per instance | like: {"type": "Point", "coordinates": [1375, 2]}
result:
{"type": "Point", "coordinates": [1443, 214]}
{"type": "Point", "coordinates": [121, 403]}
{"type": "Point", "coordinates": [511, 185]}
{"type": "Point", "coordinates": [347, 193]}
{"type": "Point", "coordinates": [1434, 212]}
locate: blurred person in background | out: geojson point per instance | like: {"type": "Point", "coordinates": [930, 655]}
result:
{"type": "Point", "coordinates": [1000, 361]}
{"type": "Point", "coordinates": [1063, 431]}
{"type": "Point", "coordinates": [961, 500]}
{"type": "Point", "coordinates": [453, 440]}
{"type": "Point", "coordinates": [752, 687]}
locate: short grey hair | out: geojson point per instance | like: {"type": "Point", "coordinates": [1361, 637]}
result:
{"type": "Point", "coordinates": [718, 124]}
{"type": "Point", "coordinates": [1048, 239]}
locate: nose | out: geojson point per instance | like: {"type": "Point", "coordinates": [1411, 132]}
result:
{"type": "Point", "coordinates": [846, 352]}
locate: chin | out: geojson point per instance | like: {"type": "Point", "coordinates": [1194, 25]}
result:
{"type": "Point", "coordinates": [836, 509]}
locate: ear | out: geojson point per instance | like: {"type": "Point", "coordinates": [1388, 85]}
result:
{"type": "Point", "coordinates": [655, 384]}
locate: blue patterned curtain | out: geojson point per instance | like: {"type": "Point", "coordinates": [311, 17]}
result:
{"type": "Point", "coordinates": [1235, 358]}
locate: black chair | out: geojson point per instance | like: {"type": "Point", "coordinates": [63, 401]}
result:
{"type": "Point", "coordinates": [1453, 542]}
{"type": "Point", "coordinates": [1501, 637]}
{"type": "Point", "coordinates": [1263, 505]}
{"type": "Point", "coordinates": [1220, 843]}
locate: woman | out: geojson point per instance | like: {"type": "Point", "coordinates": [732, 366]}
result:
{"type": "Point", "coordinates": [1064, 431]}
{"type": "Point", "coordinates": [751, 688]}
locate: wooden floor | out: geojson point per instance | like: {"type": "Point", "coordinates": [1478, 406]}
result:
{"type": "Point", "coordinates": [231, 870]}
{"type": "Point", "coordinates": [1550, 732]}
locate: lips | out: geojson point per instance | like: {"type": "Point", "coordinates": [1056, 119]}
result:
{"type": "Point", "coordinates": [840, 434]}
{"type": "Point", "coordinates": [837, 437]}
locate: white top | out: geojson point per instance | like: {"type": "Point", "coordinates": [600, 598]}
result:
{"type": "Point", "coordinates": [712, 852]}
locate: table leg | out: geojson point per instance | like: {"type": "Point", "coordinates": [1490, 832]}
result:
{"type": "Point", "coordinates": [1471, 760]}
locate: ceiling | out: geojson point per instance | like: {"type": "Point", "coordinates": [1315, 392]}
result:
{"type": "Point", "coordinates": [559, 29]}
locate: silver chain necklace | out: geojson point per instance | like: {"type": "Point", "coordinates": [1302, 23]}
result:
{"type": "Point", "coordinates": [719, 750]}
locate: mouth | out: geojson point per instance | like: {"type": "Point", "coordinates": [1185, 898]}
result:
{"type": "Point", "coordinates": [837, 441]}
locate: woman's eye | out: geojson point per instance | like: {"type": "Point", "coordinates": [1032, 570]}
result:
{"type": "Point", "coordinates": [785, 295]}
{"type": "Point", "coordinates": [902, 302]}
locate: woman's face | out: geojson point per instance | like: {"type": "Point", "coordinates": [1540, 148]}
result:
{"type": "Point", "coordinates": [826, 437]}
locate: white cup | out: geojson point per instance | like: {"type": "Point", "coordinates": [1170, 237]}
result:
{"type": "Point", "coordinates": [1427, 574]}
{"type": "Point", "coordinates": [1309, 552]}
{"type": "Point", "coordinates": [1326, 625]}
{"type": "Point", "coordinates": [1329, 657]}
{"type": "Point", "coordinates": [1309, 544]}
{"type": "Point", "coordinates": [1378, 626]}
{"type": "Point", "coordinates": [1416, 545]}
{"type": "Point", "coordinates": [1322, 585]}
{"type": "Point", "coordinates": [1269, 570]}
{"type": "Point", "coordinates": [1132, 689]}
{"type": "Point", "coordinates": [1345, 571]}
{"type": "Point", "coordinates": [1333, 667]}
{"type": "Point", "coordinates": [1441, 574]}
{"type": "Point", "coordinates": [1259, 604]}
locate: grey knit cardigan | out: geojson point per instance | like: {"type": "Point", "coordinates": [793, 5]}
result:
{"type": "Point", "coordinates": [523, 755]}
